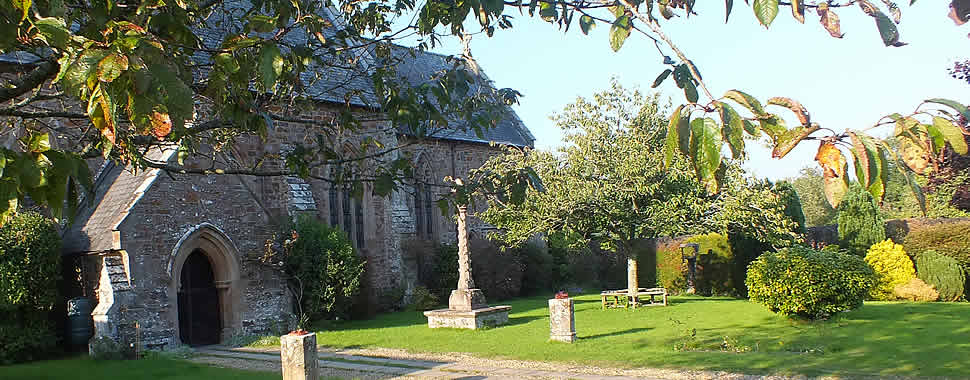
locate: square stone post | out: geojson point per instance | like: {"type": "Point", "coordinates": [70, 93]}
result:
{"type": "Point", "coordinates": [562, 320]}
{"type": "Point", "coordinates": [299, 356]}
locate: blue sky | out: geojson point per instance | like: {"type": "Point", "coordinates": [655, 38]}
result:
{"type": "Point", "coordinates": [844, 83]}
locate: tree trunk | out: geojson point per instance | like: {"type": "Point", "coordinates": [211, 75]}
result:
{"type": "Point", "coordinates": [632, 274]}
{"type": "Point", "coordinates": [465, 280]}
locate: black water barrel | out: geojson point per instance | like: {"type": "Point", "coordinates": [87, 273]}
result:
{"type": "Point", "coordinates": [80, 323]}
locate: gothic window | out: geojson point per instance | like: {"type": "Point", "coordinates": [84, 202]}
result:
{"type": "Point", "coordinates": [423, 202]}
{"type": "Point", "coordinates": [359, 218]}
{"type": "Point", "coordinates": [347, 213]}
{"type": "Point", "coordinates": [334, 210]}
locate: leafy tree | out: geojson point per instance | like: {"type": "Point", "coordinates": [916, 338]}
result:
{"type": "Point", "coordinates": [792, 204]}
{"type": "Point", "coordinates": [199, 76]}
{"type": "Point", "coordinates": [608, 185]}
{"type": "Point", "coordinates": [808, 185]}
{"type": "Point", "coordinates": [145, 73]}
{"type": "Point", "coordinates": [860, 223]}
{"type": "Point", "coordinates": [754, 216]}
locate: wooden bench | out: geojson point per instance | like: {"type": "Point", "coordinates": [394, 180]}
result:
{"type": "Point", "coordinates": [634, 299]}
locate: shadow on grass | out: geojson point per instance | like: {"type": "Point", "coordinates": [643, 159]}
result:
{"type": "Point", "coordinates": [616, 333]}
{"type": "Point", "coordinates": [521, 320]}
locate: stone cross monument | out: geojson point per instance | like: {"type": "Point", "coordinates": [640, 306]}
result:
{"type": "Point", "coordinates": [466, 306]}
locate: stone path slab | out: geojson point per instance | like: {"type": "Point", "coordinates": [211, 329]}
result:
{"type": "Point", "coordinates": [408, 369]}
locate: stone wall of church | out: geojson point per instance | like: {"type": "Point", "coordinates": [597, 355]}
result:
{"type": "Point", "coordinates": [171, 209]}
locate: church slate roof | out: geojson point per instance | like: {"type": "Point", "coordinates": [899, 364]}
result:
{"type": "Point", "coordinates": [418, 70]}
{"type": "Point", "coordinates": [116, 190]}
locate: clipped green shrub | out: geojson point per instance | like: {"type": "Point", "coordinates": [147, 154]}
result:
{"type": "Point", "coordinates": [917, 291]}
{"type": "Point", "coordinates": [328, 268]}
{"type": "Point", "coordinates": [714, 264]}
{"type": "Point", "coordinates": [800, 281]}
{"type": "Point", "coordinates": [893, 268]}
{"type": "Point", "coordinates": [860, 224]}
{"type": "Point", "coordinates": [948, 239]}
{"type": "Point", "coordinates": [30, 256]}
{"type": "Point", "coordinates": [671, 271]}
{"type": "Point", "coordinates": [943, 272]}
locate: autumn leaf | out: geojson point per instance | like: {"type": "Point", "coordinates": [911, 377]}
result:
{"type": "Point", "coordinates": [798, 10]}
{"type": "Point", "coordinates": [803, 116]}
{"type": "Point", "coordinates": [161, 125]}
{"type": "Point", "coordinates": [829, 20]}
{"type": "Point", "coordinates": [833, 163]}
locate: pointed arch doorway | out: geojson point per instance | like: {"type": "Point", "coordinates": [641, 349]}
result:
{"type": "Point", "coordinates": [206, 287]}
{"type": "Point", "coordinates": [200, 321]}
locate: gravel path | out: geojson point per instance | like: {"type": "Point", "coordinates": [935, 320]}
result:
{"type": "Point", "coordinates": [459, 365]}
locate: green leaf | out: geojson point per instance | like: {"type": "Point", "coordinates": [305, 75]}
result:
{"type": "Point", "coordinates": [39, 143]}
{"type": "Point", "coordinates": [270, 65]}
{"type": "Point", "coordinates": [733, 129]}
{"type": "Point", "coordinates": [705, 148]}
{"type": "Point", "coordinates": [765, 11]}
{"type": "Point", "coordinates": [661, 78]}
{"type": "Point", "coordinates": [673, 141]}
{"type": "Point", "coordinates": [586, 24]}
{"type": "Point", "coordinates": [548, 12]}
{"type": "Point", "coordinates": [619, 32]}
{"type": "Point", "coordinates": [887, 30]}
{"type": "Point", "coordinates": [383, 184]}
{"type": "Point", "coordinates": [913, 186]}
{"type": "Point", "coordinates": [111, 67]}
{"type": "Point", "coordinates": [747, 101]}
{"type": "Point", "coordinates": [262, 23]}
{"type": "Point", "coordinates": [937, 141]}
{"type": "Point", "coordinates": [8, 200]}
{"type": "Point", "coordinates": [23, 6]}
{"type": "Point", "coordinates": [952, 134]}
{"type": "Point", "coordinates": [728, 5]}
{"type": "Point", "coordinates": [956, 106]}
{"type": "Point", "coordinates": [690, 91]}
{"type": "Point", "coordinates": [787, 141]}
{"type": "Point", "coordinates": [444, 206]}
{"type": "Point", "coordinates": [54, 31]}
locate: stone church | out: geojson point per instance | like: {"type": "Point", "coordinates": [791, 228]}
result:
{"type": "Point", "coordinates": [175, 259]}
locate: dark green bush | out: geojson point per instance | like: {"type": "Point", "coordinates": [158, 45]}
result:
{"type": "Point", "coordinates": [328, 268]}
{"type": "Point", "coordinates": [496, 272]}
{"type": "Point", "coordinates": [948, 239]}
{"type": "Point", "coordinates": [792, 204]}
{"type": "Point", "coordinates": [540, 272]}
{"type": "Point", "coordinates": [30, 256]}
{"type": "Point", "coordinates": [860, 225]}
{"type": "Point", "coordinates": [715, 263]}
{"type": "Point", "coordinates": [799, 281]}
{"type": "Point", "coordinates": [943, 272]}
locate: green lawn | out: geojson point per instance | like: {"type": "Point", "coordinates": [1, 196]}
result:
{"type": "Point", "coordinates": [162, 369]}
{"type": "Point", "coordinates": [881, 338]}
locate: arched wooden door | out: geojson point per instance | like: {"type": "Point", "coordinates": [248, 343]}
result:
{"type": "Point", "coordinates": [200, 322]}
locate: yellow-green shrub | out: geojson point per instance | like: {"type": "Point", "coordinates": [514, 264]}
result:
{"type": "Point", "coordinates": [804, 282]}
{"type": "Point", "coordinates": [893, 267]}
{"type": "Point", "coordinates": [916, 290]}
{"type": "Point", "coordinates": [714, 263]}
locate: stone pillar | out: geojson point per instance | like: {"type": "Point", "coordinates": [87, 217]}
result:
{"type": "Point", "coordinates": [466, 297]}
{"type": "Point", "coordinates": [299, 356]}
{"type": "Point", "coordinates": [562, 320]}
{"type": "Point", "coordinates": [465, 280]}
